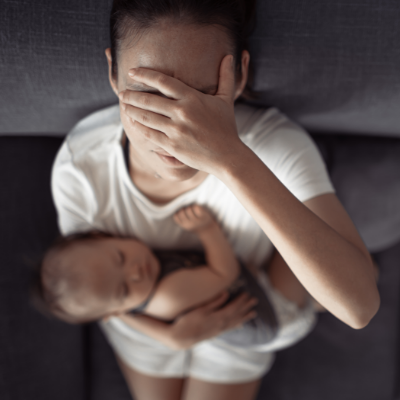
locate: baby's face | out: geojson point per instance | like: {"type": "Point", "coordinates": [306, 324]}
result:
{"type": "Point", "coordinates": [113, 275]}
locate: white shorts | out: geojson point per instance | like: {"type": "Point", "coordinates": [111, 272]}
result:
{"type": "Point", "coordinates": [211, 360]}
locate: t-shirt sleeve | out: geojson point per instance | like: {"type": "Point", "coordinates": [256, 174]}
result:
{"type": "Point", "coordinates": [294, 158]}
{"type": "Point", "coordinates": [72, 194]}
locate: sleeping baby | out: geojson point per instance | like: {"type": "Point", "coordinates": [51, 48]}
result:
{"type": "Point", "coordinates": [91, 276]}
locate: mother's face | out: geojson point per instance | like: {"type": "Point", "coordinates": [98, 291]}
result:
{"type": "Point", "coordinates": [189, 53]}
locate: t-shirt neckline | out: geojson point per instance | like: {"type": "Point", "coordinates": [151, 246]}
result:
{"type": "Point", "coordinates": [179, 201]}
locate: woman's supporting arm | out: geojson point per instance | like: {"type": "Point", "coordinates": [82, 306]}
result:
{"type": "Point", "coordinates": [203, 323]}
{"type": "Point", "coordinates": [317, 239]}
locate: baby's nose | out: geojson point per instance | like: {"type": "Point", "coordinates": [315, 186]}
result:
{"type": "Point", "coordinates": [134, 273]}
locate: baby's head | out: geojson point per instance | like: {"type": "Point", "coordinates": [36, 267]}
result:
{"type": "Point", "coordinates": [85, 277]}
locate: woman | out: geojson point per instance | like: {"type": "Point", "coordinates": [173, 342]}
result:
{"type": "Point", "coordinates": [187, 142]}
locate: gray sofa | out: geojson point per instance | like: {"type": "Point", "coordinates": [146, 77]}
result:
{"type": "Point", "coordinates": [331, 66]}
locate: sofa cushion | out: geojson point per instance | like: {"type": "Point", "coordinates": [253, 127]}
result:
{"type": "Point", "coordinates": [330, 65]}
{"type": "Point", "coordinates": [39, 358]}
{"type": "Point", "coordinates": [365, 172]}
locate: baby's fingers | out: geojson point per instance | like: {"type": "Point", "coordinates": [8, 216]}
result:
{"type": "Point", "coordinates": [189, 213]}
{"type": "Point", "coordinates": [177, 218]}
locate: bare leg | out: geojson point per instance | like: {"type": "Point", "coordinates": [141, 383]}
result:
{"type": "Point", "coordinates": [145, 387]}
{"type": "Point", "coordinates": [200, 390]}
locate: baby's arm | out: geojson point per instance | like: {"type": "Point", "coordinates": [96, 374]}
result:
{"type": "Point", "coordinates": [219, 254]}
{"type": "Point", "coordinates": [190, 287]}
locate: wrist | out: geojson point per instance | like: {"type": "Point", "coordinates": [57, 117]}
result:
{"type": "Point", "coordinates": [235, 162]}
{"type": "Point", "coordinates": [177, 342]}
{"type": "Point", "coordinates": [209, 229]}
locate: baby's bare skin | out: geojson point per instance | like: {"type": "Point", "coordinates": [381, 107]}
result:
{"type": "Point", "coordinates": [188, 288]}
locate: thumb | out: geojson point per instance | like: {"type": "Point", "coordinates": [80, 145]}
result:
{"type": "Point", "coordinates": [226, 81]}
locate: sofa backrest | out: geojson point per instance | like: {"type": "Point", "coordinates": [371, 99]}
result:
{"type": "Point", "coordinates": [332, 66]}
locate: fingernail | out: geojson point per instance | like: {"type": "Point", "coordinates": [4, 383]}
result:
{"type": "Point", "coordinates": [132, 72]}
{"type": "Point", "coordinates": [123, 106]}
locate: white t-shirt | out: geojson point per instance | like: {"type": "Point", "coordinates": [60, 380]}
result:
{"type": "Point", "coordinates": [92, 188]}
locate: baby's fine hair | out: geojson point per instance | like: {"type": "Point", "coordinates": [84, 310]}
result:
{"type": "Point", "coordinates": [45, 291]}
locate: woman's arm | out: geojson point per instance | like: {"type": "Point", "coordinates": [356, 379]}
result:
{"type": "Point", "coordinates": [204, 322]}
{"type": "Point", "coordinates": [317, 239]}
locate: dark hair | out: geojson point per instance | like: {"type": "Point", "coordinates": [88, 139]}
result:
{"type": "Point", "coordinates": [45, 298]}
{"type": "Point", "coordinates": [237, 17]}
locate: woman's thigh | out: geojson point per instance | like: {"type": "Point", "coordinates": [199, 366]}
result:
{"type": "Point", "coordinates": [199, 390]}
{"type": "Point", "coordinates": [145, 387]}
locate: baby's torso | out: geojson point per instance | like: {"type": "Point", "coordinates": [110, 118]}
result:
{"type": "Point", "coordinates": [171, 263]}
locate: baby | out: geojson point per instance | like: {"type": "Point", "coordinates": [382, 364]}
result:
{"type": "Point", "coordinates": [94, 275]}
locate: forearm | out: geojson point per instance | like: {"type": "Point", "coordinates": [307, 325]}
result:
{"type": "Point", "coordinates": [335, 272]}
{"type": "Point", "coordinates": [152, 327]}
{"type": "Point", "coordinates": [219, 253]}
{"type": "Point", "coordinates": [202, 323]}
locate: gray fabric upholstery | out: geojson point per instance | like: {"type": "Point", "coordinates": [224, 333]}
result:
{"type": "Point", "coordinates": [332, 66]}
{"type": "Point", "coordinates": [365, 172]}
{"type": "Point", "coordinates": [366, 175]}
{"type": "Point", "coordinates": [39, 358]}
{"type": "Point", "coordinates": [53, 70]}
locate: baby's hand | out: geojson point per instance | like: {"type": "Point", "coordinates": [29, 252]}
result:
{"type": "Point", "coordinates": [194, 218]}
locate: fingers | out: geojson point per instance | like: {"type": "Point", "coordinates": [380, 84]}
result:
{"type": "Point", "coordinates": [242, 304]}
{"type": "Point", "coordinates": [147, 118]}
{"type": "Point", "coordinates": [238, 311]}
{"type": "Point", "coordinates": [199, 211]}
{"type": "Point", "coordinates": [180, 217]}
{"type": "Point", "coordinates": [240, 321]}
{"type": "Point", "coordinates": [148, 101]}
{"type": "Point", "coordinates": [188, 211]}
{"type": "Point", "coordinates": [154, 136]}
{"type": "Point", "coordinates": [226, 83]}
{"type": "Point", "coordinates": [216, 302]}
{"type": "Point", "coordinates": [167, 85]}
{"type": "Point", "coordinates": [177, 218]}
{"type": "Point", "coordinates": [193, 218]}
